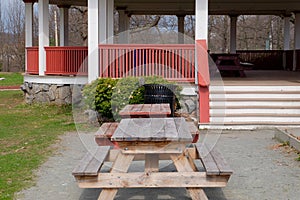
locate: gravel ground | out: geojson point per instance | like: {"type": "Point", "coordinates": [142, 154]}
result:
{"type": "Point", "coordinates": [262, 170]}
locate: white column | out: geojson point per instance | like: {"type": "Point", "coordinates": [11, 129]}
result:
{"type": "Point", "coordinates": [93, 40]}
{"type": "Point", "coordinates": [43, 34]}
{"type": "Point", "coordinates": [201, 57]}
{"type": "Point", "coordinates": [233, 22]}
{"type": "Point", "coordinates": [201, 17]}
{"type": "Point", "coordinates": [103, 21]}
{"type": "Point", "coordinates": [28, 24]}
{"type": "Point", "coordinates": [28, 28]}
{"type": "Point", "coordinates": [297, 39]}
{"type": "Point", "coordinates": [123, 27]}
{"type": "Point", "coordinates": [64, 26]}
{"type": "Point", "coordinates": [201, 27]}
{"type": "Point", "coordinates": [180, 29]}
{"type": "Point", "coordinates": [110, 21]}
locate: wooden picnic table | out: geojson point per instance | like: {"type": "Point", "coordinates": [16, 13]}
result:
{"type": "Point", "coordinates": [145, 111]}
{"type": "Point", "coordinates": [151, 140]}
{"type": "Point", "coordinates": [229, 62]}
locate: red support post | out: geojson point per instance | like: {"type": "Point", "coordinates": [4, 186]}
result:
{"type": "Point", "coordinates": [203, 80]}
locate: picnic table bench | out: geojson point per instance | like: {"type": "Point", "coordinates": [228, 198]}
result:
{"type": "Point", "coordinates": [164, 139]}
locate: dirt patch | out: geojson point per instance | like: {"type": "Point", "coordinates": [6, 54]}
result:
{"type": "Point", "coordinates": [11, 87]}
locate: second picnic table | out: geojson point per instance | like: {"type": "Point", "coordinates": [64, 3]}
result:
{"type": "Point", "coordinates": [145, 111]}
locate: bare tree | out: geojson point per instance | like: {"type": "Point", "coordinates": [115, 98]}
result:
{"type": "Point", "coordinates": [190, 26]}
{"type": "Point", "coordinates": [14, 47]}
{"type": "Point", "coordinates": [78, 26]}
{"type": "Point", "coordinates": [219, 33]}
{"type": "Point", "coordinates": [1, 37]}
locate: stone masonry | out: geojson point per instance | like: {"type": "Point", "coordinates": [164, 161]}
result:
{"type": "Point", "coordinates": [47, 93]}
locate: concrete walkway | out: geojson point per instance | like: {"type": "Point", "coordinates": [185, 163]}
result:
{"type": "Point", "coordinates": [261, 171]}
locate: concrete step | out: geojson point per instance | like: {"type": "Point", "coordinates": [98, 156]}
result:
{"type": "Point", "coordinates": [255, 97]}
{"type": "Point", "coordinates": [255, 112]}
{"type": "Point", "coordinates": [254, 89]}
{"type": "Point", "coordinates": [255, 104]}
{"type": "Point", "coordinates": [256, 120]}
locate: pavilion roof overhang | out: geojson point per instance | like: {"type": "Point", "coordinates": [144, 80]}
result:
{"type": "Point", "coordinates": [185, 7]}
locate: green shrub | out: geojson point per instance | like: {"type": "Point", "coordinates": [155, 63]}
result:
{"type": "Point", "coordinates": [109, 96]}
{"type": "Point", "coordinates": [97, 96]}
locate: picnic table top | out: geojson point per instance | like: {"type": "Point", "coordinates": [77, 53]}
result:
{"type": "Point", "coordinates": [153, 129]}
{"type": "Point", "coordinates": [145, 110]}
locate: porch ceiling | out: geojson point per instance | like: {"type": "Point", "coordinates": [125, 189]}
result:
{"type": "Point", "coordinates": [177, 7]}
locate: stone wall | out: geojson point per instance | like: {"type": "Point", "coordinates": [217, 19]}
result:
{"type": "Point", "coordinates": [189, 106]}
{"type": "Point", "coordinates": [47, 93]}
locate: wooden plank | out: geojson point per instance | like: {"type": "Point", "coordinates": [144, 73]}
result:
{"type": "Point", "coordinates": [138, 156]}
{"type": "Point", "coordinates": [152, 147]}
{"type": "Point", "coordinates": [108, 194]}
{"type": "Point", "coordinates": [194, 131]}
{"type": "Point", "coordinates": [151, 163]}
{"type": "Point", "coordinates": [121, 164]}
{"type": "Point", "coordinates": [152, 129]}
{"type": "Point", "coordinates": [121, 132]}
{"type": "Point", "coordinates": [171, 132]}
{"type": "Point", "coordinates": [91, 163]}
{"type": "Point", "coordinates": [221, 162]}
{"type": "Point", "coordinates": [183, 129]}
{"type": "Point", "coordinates": [153, 180]}
{"type": "Point", "coordinates": [145, 110]}
{"type": "Point", "coordinates": [166, 108]}
{"type": "Point", "coordinates": [182, 164]}
{"type": "Point", "coordinates": [198, 194]}
{"type": "Point", "coordinates": [207, 160]}
{"type": "Point", "coordinates": [104, 134]}
{"type": "Point", "coordinates": [155, 108]}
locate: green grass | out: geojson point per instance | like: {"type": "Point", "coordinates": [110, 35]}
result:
{"type": "Point", "coordinates": [11, 79]}
{"type": "Point", "coordinates": [26, 133]}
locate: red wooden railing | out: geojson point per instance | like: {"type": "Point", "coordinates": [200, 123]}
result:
{"type": "Point", "coordinates": [66, 60]}
{"type": "Point", "coordinates": [32, 60]}
{"type": "Point", "coordinates": [174, 62]}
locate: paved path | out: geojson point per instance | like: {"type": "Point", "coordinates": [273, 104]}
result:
{"type": "Point", "coordinates": [260, 172]}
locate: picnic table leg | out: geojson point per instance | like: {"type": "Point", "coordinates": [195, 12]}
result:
{"type": "Point", "coordinates": [121, 164]}
{"type": "Point", "coordinates": [182, 164]}
{"type": "Point", "coordinates": [151, 163]}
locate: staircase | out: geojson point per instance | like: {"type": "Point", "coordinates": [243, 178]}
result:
{"type": "Point", "coordinates": [255, 105]}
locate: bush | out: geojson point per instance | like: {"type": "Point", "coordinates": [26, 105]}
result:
{"type": "Point", "coordinates": [97, 96]}
{"type": "Point", "coordinates": [108, 96]}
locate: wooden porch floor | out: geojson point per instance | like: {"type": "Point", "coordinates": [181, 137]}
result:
{"type": "Point", "coordinates": [265, 78]}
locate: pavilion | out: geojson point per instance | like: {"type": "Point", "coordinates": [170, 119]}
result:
{"type": "Point", "coordinates": [61, 65]}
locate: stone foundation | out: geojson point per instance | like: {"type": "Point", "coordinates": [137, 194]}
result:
{"type": "Point", "coordinates": [48, 93]}
{"type": "Point", "coordinates": [61, 94]}
{"type": "Point", "coordinates": [189, 106]}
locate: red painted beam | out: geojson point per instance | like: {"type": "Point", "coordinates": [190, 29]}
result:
{"type": "Point", "coordinates": [203, 80]}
